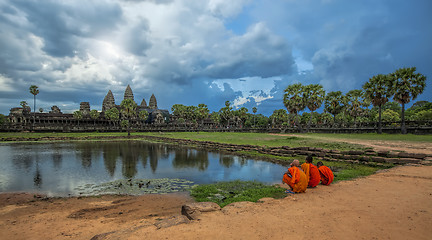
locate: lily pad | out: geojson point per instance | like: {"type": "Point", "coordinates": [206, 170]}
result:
{"type": "Point", "coordinates": [137, 186]}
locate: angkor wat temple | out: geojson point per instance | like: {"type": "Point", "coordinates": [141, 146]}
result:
{"type": "Point", "coordinates": [21, 118]}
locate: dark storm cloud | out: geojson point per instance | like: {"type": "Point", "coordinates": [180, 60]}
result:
{"type": "Point", "coordinates": [256, 53]}
{"type": "Point", "coordinates": [348, 42]}
{"type": "Point", "coordinates": [137, 39]}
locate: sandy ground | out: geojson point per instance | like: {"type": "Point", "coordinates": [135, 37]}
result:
{"type": "Point", "coordinates": [392, 204]}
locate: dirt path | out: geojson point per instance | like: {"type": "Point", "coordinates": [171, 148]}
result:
{"type": "Point", "coordinates": [395, 204]}
{"type": "Point", "coordinates": [378, 145]}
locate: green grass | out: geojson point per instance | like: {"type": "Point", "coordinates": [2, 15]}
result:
{"type": "Point", "coordinates": [224, 193]}
{"type": "Point", "coordinates": [258, 139]}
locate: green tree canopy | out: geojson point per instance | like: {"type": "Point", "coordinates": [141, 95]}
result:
{"type": "Point", "coordinates": [225, 113]}
{"type": "Point", "coordinates": [143, 115]}
{"type": "Point", "coordinates": [356, 103]}
{"type": "Point", "coordinates": [334, 103]}
{"type": "Point", "coordinates": [314, 96]}
{"type": "Point", "coordinates": [202, 112]}
{"type": "Point", "coordinates": [407, 85]}
{"type": "Point", "coordinates": [128, 107]}
{"type": "Point", "coordinates": [293, 98]}
{"type": "Point", "coordinates": [112, 114]}
{"type": "Point", "coordinates": [378, 90]}
{"type": "Point", "coordinates": [279, 117]}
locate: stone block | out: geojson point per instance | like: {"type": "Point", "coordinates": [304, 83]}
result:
{"type": "Point", "coordinates": [412, 155]}
{"type": "Point", "coordinates": [393, 154]}
{"type": "Point", "coordinates": [354, 152]}
{"type": "Point", "coordinates": [383, 153]}
{"type": "Point", "coordinates": [378, 159]}
{"type": "Point", "coordinates": [403, 160]}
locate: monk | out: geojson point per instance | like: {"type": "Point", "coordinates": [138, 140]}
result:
{"type": "Point", "coordinates": [295, 178]}
{"type": "Point", "coordinates": [326, 174]}
{"type": "Point", "coordinates": [311, 171]}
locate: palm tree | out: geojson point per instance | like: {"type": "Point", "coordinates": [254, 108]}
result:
{"type": "Point", "coordinates": [407, 86]}
{"type": "Point", "coordinates": [334, 103]}
{"type": "Point", "coordinates": [254, 110]}
{"type": "Point", "coordinates": [78, 116]}
{"type": "Point", "coordinates": [202, 112]}
{"type": "Point", "coordinates": [314, 95]}
{"type": "Point", "coordinates": [112, 114]}
{"type": "Point", "coordinates": [143, 115]}
{"type": "Point", "coordinates": [24, 105]}
{"type": "Point", "coordinates": [294, 101]}
{"type": "Point", "coordinates": [355, 100]}
{"type": "Point", "coordinates": [128, 110]}
{"type": "Point", "coordinates": [279, 117]}
{"type": "Point", "coordinates": [215, 117]}
{"type": "Point", "coordinates": [94, 114]}
{"type": "Point", "coordinates": [241, 114]}
{"type": "Point", "coordinates": [379, 90]}
{"type": "Point", "coordinates": [35, 91]}
{"type": "Point", "coordinates": [225, 113]}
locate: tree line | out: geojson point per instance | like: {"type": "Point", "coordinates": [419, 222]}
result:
{"type": "Point", "coordinates": [372, 103]}
{"type": "Point", "coordinates": [403, 85]}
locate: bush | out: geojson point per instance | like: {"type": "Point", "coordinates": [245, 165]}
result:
{"type": "Point", "coordinates": [423, 115]}
{"type": "Point", "coordinates": [390, 116]}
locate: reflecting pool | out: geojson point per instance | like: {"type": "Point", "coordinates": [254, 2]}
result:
{"type": "Point", "coordinates": [60, 168]}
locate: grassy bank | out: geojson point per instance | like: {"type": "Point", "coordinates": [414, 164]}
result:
{"type": "Point", "coordinates": [224, 193]}
{"type": "Point", "coordinates": [260, 139]}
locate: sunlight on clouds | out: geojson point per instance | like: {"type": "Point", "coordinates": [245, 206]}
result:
{"type": "Point", "coordinates": [256, 88]}
{"type": "Point", "coordinates": [6, 84]}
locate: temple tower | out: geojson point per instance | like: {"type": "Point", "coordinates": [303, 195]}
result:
{"type": "Point", "coordinates": [128, 93]}
{"type": "Point", "coordinates": [85, 108]}
{"type": "Point", "coordinates": [108, 101]}
{"type": "Point", "coordinates": [153, 102]}
{"type": "Point", "coordinates": [143, 103]}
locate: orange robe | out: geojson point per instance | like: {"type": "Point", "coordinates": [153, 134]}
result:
{"type": "Point", "coordinates": [326, 175]}
{"type": "Point", "coordinates": [312, 174]}
{"type": "Point", "coordinates": [296, 179]}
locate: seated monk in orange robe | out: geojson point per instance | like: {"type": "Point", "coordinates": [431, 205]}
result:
{"type": "Point", "coordinates": [311, 172]}
{"type": "Point", "coordinates": [326, 174]}
{"type": "Point", "coordinates": [295, 178]}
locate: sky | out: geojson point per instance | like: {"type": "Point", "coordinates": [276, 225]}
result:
{"type": "Point", "coordinates": [208, 51]}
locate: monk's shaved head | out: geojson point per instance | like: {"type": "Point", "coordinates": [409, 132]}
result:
{"type": "Point", "coordinates": [319, 164]}
{"type": "Point", "coordinates": [295, 163]}
{"type": "Point", "coordinates": [309, 159]}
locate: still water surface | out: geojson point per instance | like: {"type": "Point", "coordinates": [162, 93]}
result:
{"type": "Point", "coordinates": [59, 168]}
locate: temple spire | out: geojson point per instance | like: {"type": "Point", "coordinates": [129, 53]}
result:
{"type": "Point", "coordinates": [143, 103]}
{"type": "Point", "coordinates": [108, 101]}
{"type": "Point", "coordinates": [128, 93]}
{"type": "Point", "coordinates": [153, 102]}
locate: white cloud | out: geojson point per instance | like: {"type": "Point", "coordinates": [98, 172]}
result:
{"type": "Point", "coordinates": [6, 84]}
